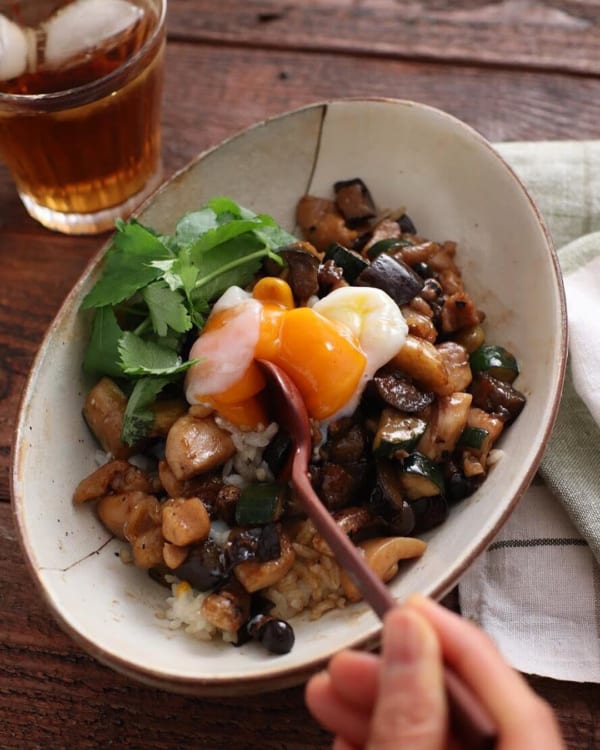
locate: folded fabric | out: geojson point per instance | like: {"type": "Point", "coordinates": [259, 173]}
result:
{"type": "Point", "coordinates": [535, 589]}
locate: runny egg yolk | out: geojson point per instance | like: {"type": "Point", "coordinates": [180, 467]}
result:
{"type": "Point", "coordinates": [321, 351]}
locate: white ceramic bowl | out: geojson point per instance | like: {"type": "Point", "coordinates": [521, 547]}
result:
{"type": "Point", "coordinates": [454, 186]}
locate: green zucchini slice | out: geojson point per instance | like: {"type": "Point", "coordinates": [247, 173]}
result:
{"type": "Point", "coordinates": [384, 246]}
{"type": "Point", "coordinates": [397, 431]}
{"type": "Point", "coordinates": [421, 477]}
{"type": "Point", "coordinates": [496, 361]}
{"type": "Point", "coordinates": [472, 437]}
{"type": "Point", "coordinates": [260, 503]}
{"type": "Point", "coordinates": [351, 262]}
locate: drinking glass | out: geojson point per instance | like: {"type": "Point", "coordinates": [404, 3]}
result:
{"type": "Point", "coordinates": [80, 97]}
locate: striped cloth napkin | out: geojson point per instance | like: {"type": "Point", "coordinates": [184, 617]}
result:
{"type": "Point", "coordinates": [536, 589]}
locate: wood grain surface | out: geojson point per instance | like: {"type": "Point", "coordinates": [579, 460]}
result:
{"type": "Point", "coordinates": [515, 70]}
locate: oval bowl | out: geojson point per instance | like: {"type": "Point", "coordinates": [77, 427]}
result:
{"type": "Point", "coordinates": [454, 186]}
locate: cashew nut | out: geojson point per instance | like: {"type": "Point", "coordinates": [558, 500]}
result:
{"type": "Point", "coordinates": [382, 555]}
{"type": "Point", "coordinates": [350, 520]}
{"type": "Point", "coordinates": [255, 575]}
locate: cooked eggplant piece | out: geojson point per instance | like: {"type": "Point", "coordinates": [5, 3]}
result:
{"type": "Point", "coordinates": [497, 397]}
{"type": "Point", "coordinates": [226, 502]}
{"type": "Point", "coordinates": [399, 392]}
{"type": "Point", "coordinates": [277, 453]}
{"type": "Point", "coordinates": [388, 488]}
{"type": "Point", "coordinates": [338, 486]}
{"type": "Point", "coordinates": [392, 276]}
{"type": "Point", "coordinates": [260, 543]}
{"type": "Point", "coordinates": [354, 201]}
{"type": "Point", "coordinates": [301, 271]}
{"type": "Point", "coordinates": [429, 512]}
{"type": "Point", "coordinates": [331, 277]}
{"type": "Point", "coordinates": [406, 225]}
{"type": "Point", "coordinates": [204, 567]}
{"type": "Point", "coordinates": [346, 445]}
{"type": "Point", "coordinates": [458, 486]}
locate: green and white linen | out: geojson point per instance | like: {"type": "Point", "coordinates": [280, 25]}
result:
{"type": "Point", "coordinates": [536, 589]}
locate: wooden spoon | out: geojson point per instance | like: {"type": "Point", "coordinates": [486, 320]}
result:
{"type": "Point", "coordinates": [469, 718]}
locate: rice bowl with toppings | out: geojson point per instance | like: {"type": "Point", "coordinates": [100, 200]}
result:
{"type": "Point", "coordinates": [111, 608]}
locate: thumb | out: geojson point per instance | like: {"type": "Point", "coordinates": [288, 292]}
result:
{"type": "Point", "coordinates": [410, 710]}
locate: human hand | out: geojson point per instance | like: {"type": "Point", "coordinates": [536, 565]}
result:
{"type": "Point", "coordinates": [397, 699]}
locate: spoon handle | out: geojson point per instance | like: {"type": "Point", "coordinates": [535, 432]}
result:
{"type": "Point", "coordinates": [469, 719]}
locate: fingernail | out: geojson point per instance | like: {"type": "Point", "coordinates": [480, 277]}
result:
{"type": "Point", "coordinates": [403, 639]}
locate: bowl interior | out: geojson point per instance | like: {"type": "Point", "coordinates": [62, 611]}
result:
{"type": "Point", "coordinates": [454, 186]}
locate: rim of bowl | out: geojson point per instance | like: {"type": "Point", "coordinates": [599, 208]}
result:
{"type": "Point", "coordinates": [257, 682]}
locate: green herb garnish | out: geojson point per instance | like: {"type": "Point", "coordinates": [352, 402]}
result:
{"type": "Point", "coordinates": [154, 290]}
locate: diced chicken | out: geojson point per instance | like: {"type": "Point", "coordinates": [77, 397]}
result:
{"type": "Point", "coordinates": [322, 223]}
{"type": "Point", "coordinates": [113, 477]}
{"type": "Point", "coordinates": [195, 446]}
{"type": "Point", "coordinates": [457, 364]}
{"type": "Point", "coordinates": [480, 419]}
{"type": "Point", "coordinates": [419, 325]}
{"type": "Point", "coordinates": [448, 419]}
{"type": "Point", "coordinates": [420, 360]}
{"type": "Point", "coordinates": [103, 411]}
{"type": "Point", "coordinates": [185, 521]}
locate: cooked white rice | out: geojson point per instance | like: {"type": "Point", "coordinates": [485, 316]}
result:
{"type": "Point", "coordinates": [247, 464]}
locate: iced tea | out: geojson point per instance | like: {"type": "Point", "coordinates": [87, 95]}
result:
{"type": "Point", "coordinates": [80, 107]}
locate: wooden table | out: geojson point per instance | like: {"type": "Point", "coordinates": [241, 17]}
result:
{"type": "Point", "coordinates": [513, 69]}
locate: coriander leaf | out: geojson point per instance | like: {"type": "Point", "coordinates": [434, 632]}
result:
{"type": "Point", "coordinates": [226, 209]}
{"type": "Point", "coordinates": [220, 235]}
{"type": "Point", "coordinates": [232, 264]}
{"type": "Point", "coordinates": [166, 309]}
{"type": "Point", "coordinates": [141, 357]}
{"type": "Point", "coordinates": [139, 418]}
{"type": "Point", "coordinates": [128, 265]}
{"type": "Point", "coordinates": [273, 235]}
{"type": "Point", "coordinates": [178, 273]}
{"type": "Point", "coordinates": [194, 225]}
{"type": "Point", "coordinates": [102, 353]}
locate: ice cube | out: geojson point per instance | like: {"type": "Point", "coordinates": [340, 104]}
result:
{"type": "Point", "coordinates": [15, 49]}
{"type": "Point", "coordinates": [85, 25]}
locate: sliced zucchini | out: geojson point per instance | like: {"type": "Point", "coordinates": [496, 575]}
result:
{"type": "Point", "coordinates": [384, 246]}
{"type": "Point", "coordinates": [472, 437]}
{"type": "Point", "coordinates": [350, 262]}
{"type": "Point", "coordinates": [420, 477]}
{"type": "Point", "coordinates": [496, 361]}
{"type": "Point", "coordinates": [397, 432]}
{"type": "Point", "coordinates": [260, 503]}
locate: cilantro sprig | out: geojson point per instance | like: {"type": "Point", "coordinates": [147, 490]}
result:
{"type": "Point", "coordinates": [155, 290]}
